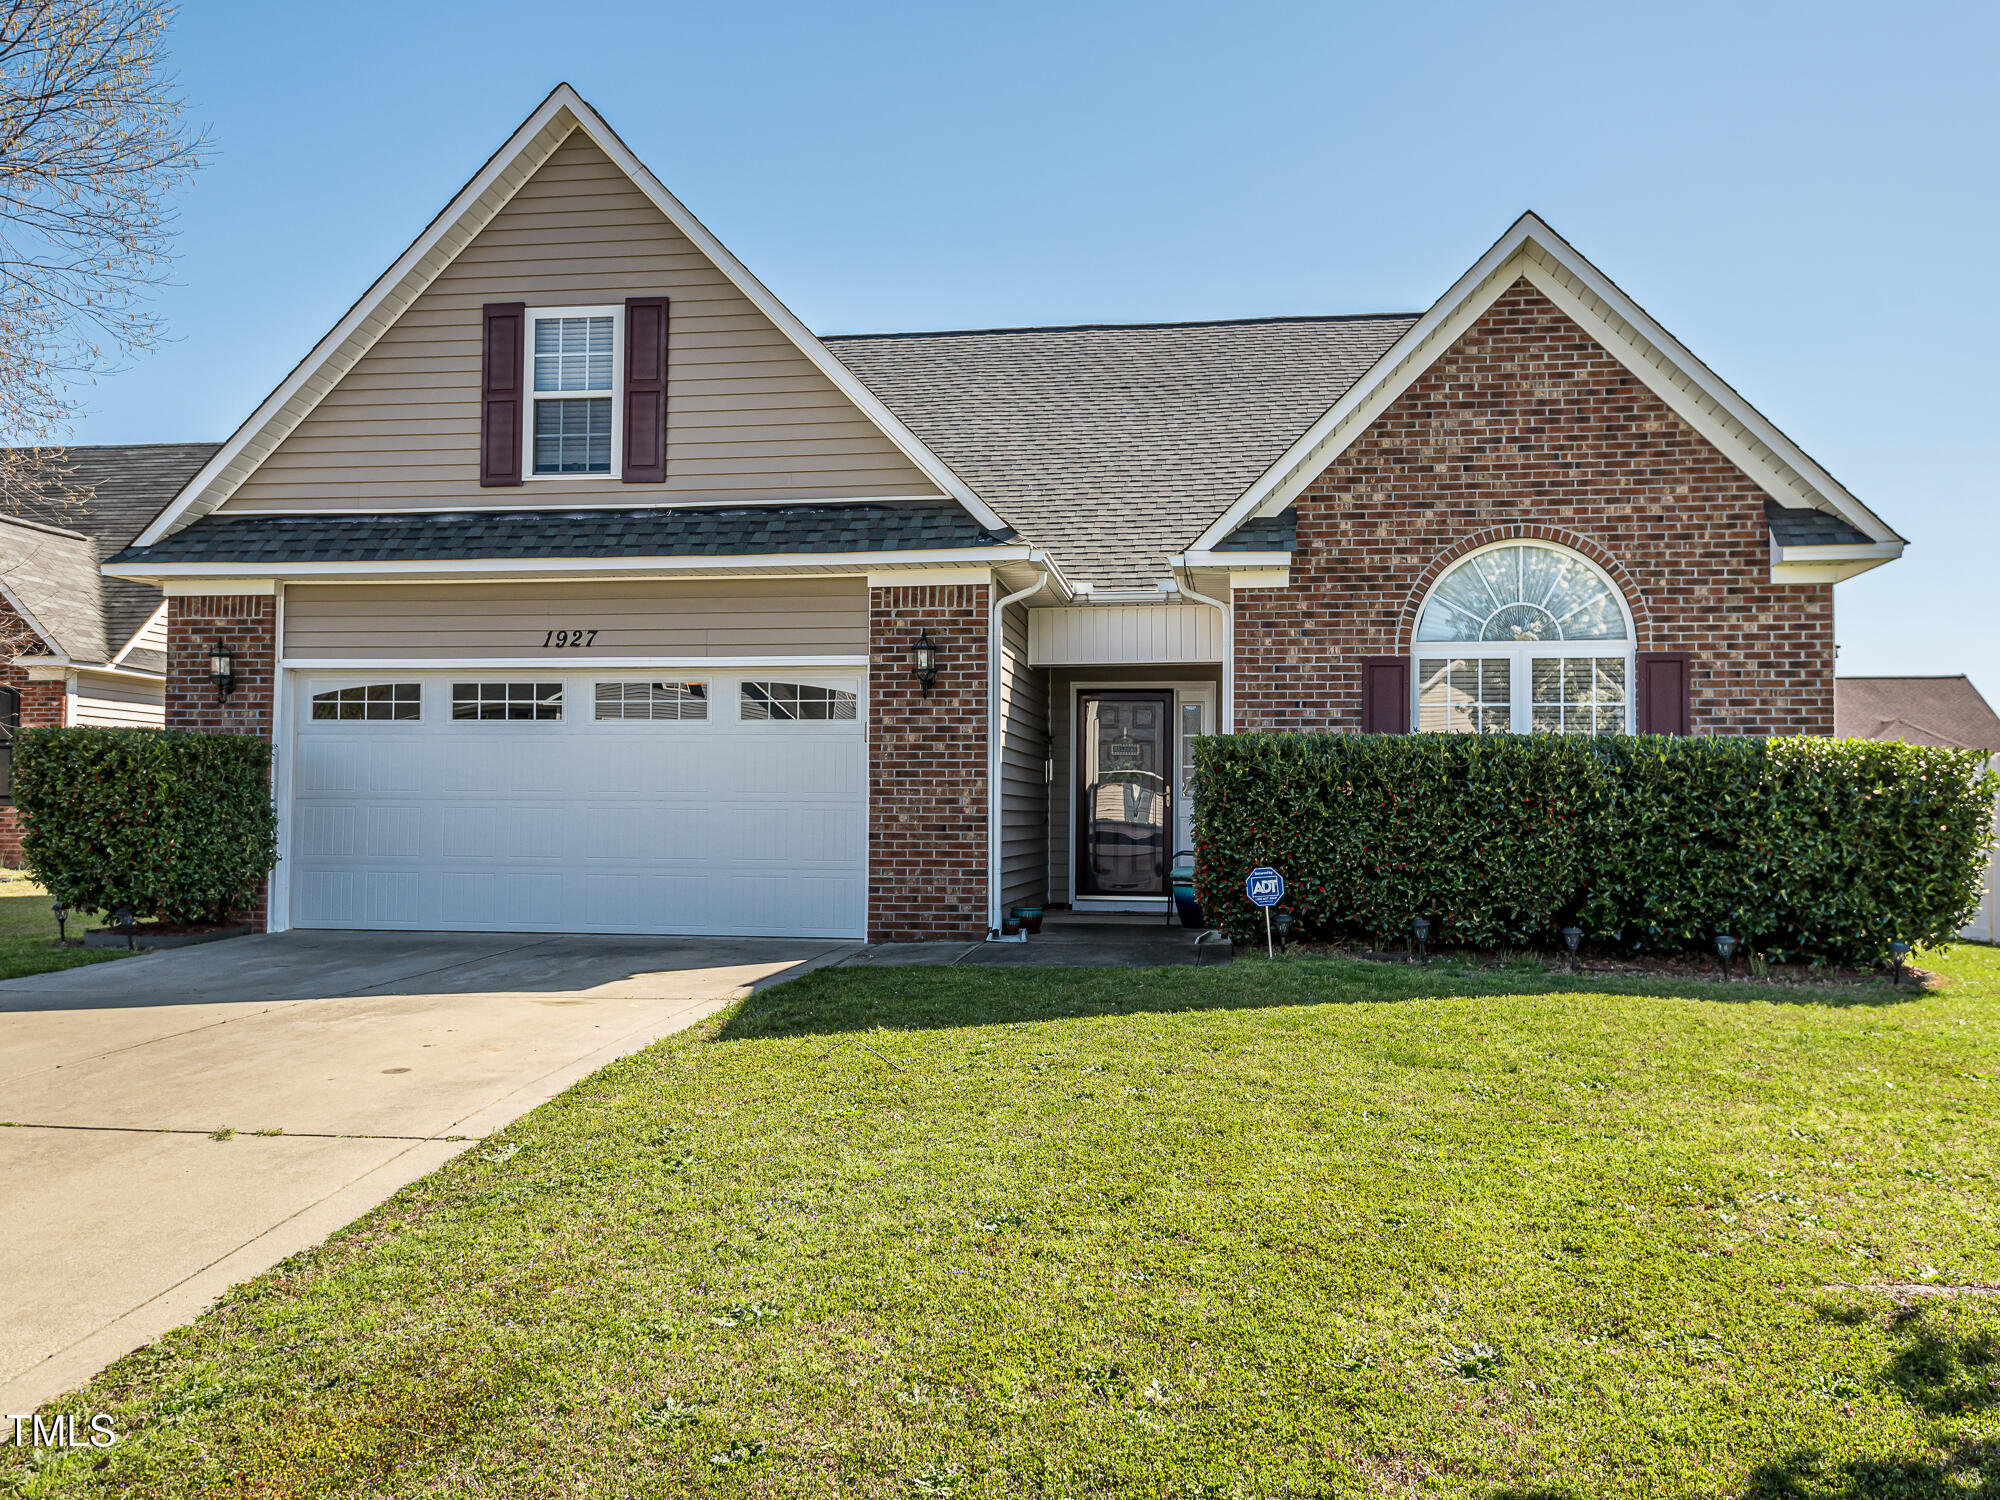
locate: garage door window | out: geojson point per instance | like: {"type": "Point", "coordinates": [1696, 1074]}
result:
{"type": "Point", "coordinates": [795, 700]}
{"type": "Point", "coordinates": [652, 700]}
{"type": "Point", "coordinates": [506, 700]}
{"type": "Point", "coordinates": [374, 700]}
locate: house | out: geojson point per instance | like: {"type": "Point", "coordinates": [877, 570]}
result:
{"type": "Point", "coordinates": [80, 648]}
{"type": "Point", "coordinates": [1927, 711]}
{"type": "Point", "coordinates": [581, 587]}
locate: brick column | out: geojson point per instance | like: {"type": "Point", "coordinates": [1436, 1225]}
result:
{"type": "Point", "coordinates": [927, 764]}
{"type": "Point", "coordinates": [248, 625]}
{"type": "Point", "coordinates": [41, 708]}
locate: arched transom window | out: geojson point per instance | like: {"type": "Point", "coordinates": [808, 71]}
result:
{"type": "Point", "coordinates": [1524, 638]}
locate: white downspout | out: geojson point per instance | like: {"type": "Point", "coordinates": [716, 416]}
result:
{"type": "Point", "coordinates": [995, 645]}
{"type": "Point", "coordinates": [1228, 715]}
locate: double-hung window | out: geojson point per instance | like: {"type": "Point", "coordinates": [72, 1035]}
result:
{"type": "Point", "coordinates": [574, 358]}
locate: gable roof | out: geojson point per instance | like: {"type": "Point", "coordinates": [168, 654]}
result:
{"type": "Point", "coordinates": [115, 490]}
{"type": "Point", "coordinates": [49, 576]}
{"type": "Point", "coordinates": [1532, 250]}
{"type": "Point", "coordinates": [560, 115]}
{"type": "Point", "coordinates": [1114, 445]}
{"type": "Point", "coordinates": [1917, 710]}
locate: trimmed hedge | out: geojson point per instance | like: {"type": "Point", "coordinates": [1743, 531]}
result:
{"type": "Point", "coordinates": [1803, 848]}
{"type": "Point", "coordinates": [174, 824]}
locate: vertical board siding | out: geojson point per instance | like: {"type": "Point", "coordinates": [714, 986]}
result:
{"type": "Point", "coordinates": [1082, 635]}
{"type": "Point", "coordinates": [1024, 789]}
{"type": "Point", "coordinates": [416, 621]}
{"type": "Point", "coordinates": [748, 416]}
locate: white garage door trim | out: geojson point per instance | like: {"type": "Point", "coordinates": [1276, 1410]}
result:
{"type": "Point", "coordinates": [790, 865]}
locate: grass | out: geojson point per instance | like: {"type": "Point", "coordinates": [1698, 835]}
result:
{"type": "Point", "coordinates": [28, 931]}
{"type": "Point", "coordinates": [1303, 1229]}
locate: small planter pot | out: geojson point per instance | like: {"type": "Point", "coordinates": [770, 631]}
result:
{"type": "Point", "coordinates": [150, 935]}
{"type": "Point", "coordinates": [1029, 918]}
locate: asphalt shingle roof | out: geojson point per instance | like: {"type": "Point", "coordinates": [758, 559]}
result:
{"type": "Point", "coordinates": [1264, 534]}
{"type": "Point", "coordinates": [735, 531]}
{"type": "Point", "coordinates": [120, 488]}
{"type": "Point", "coordinates": [1916, 710]}
{"type": "Point", "coordinates": [1792, 527]}
{"type": "Point", "coordinates": [1116, 446]}
{"type": "Point", "coordinates": [53, 575]}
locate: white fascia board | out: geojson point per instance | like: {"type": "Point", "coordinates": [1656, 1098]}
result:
{"type": "Point", "coordinates": [134, 674]}
{"type": "Point", "coordinates": [1260, 578]}
{"type": "Point", "coordinates": [1531, 249]}
{"type": "Point", "coordinates": [1830, 563]}
{"type": "Point", "coordinates": [475, 206]}
{"type": "Point", "coordinates": [1236, 560]}
{"type": "Point", "coordinates": [262, 577]}
{"type": "Point", "coordinates": [559, 662]}
{"type": "Point", "coordinates": [123, 651]}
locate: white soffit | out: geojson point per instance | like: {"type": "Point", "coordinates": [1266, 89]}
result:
{"type": "Point", "coordinates": [504, 174]}
{"type": "Point", "coordinates": [1531, 250]}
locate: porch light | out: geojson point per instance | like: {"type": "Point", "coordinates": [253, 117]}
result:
{"type": "Point", "coordinates": [1725, 949]}
{"type": "Point", "coordinates": [222, 669]}
{"type": "Point", "coordinates": [923, 662]}
{"type": "Point", "coordinates": [1572, 940]}
{"type": "Point", "coordinates": [1421, 928]}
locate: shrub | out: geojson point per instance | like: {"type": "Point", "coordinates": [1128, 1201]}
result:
{"type": "Point", "coordinates": [173, 824]}
{"type": "Point", "coordinates": [1803, 848]}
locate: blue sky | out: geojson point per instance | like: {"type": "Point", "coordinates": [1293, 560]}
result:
{"type": "Point", "coordinates": [1805, 194]}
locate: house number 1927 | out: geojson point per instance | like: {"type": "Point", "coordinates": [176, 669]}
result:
{"type": "Point", "coordinates": [558, 639]}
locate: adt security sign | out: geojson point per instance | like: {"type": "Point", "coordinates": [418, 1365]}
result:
{"type": "Point", "coordinates": [1266, 888]}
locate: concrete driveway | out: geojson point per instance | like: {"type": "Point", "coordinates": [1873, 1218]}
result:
{"type": "Point", "coordinates": [348, 1064]}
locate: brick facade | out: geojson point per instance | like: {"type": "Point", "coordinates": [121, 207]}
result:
{"type": "Point", "coordinates": [1527, 428]}
{"type": "Point", "coordinates": [42, 705]}
{"type": "Point", "coordinates": [247, 624]}
{"type": "Point", "coordinates": [927, 765]}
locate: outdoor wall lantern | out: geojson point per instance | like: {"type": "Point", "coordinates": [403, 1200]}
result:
{"type": "Point", "coordinates": [1725, 949]}
{"type": "Point", "coordinates": [923, 662]}
{"type": "Point", "coordinates": [222, 669]}
{"type": "Point", "coordinates": [1421, 928]}
{"type": "Point", "coordinates": [1898, 952]}
{"type": "Point", "coordinates": [1572, 940]}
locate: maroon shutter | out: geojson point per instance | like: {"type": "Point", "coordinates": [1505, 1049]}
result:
{"type": "Point", "coordinates": [645, 390]}
{"type": "Point", "coordinates": [1385, 695]}
{"type": "Point", "coordinates": [1663, 692]}
{"type": "Point", "coordinates": [502, 401]}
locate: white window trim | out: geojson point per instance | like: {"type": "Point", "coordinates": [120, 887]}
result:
{"type": "Point", "coordinates": [1520, 655]}
{"type": "Point", "coordinates": [616, 312]}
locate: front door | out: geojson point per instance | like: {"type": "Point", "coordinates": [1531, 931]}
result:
{"type": "Point", "coordinates": [1125, 764]}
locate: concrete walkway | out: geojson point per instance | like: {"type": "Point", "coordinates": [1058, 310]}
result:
{"type": "Point", "coordinates": [348, 1064]}
{"type": "Point", "coordinates": [1065, 942]}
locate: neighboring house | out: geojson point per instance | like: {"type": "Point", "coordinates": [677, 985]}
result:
{"type": "Point", "coordinates": [81, 648]}
{"type": "Point", "coordinates": [583, 588]}
{"type": "Point", "coordinates": [1927, 711]}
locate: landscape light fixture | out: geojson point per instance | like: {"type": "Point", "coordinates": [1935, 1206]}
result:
{"type": "Point", "coordinates": [1572, 940]}
{"type": "Point", "coordinates": [62, 924]}
{"type": "Point", "coordinates": [222, 669]}
{"type": "Point", "coordinates": [1725, 948]}
{"type": "Point", "coordinates": [1283, 921]}
{"type": "Point", "coordinates": [123, 918]}
{"type": "Point", "coordinates": [1898, 951]}
{"type": "Point", "coordinates": [1421, 927]}
{"type": "Point", "coordinates": [923, 662]}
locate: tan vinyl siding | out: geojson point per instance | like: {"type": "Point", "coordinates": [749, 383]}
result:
{"type": "Point", "coordinates": [1062, 732]}
{"type": "Point", "coordinates": [152, 635]}
{"type": "Point", "coordinates": [118, 703]}
{"type": "Point", "coordinates": [749, 416]}
{"type": "Point", "coordinates": [1024, 739]}
{"type": "Point", "coordinates": [415, 622]}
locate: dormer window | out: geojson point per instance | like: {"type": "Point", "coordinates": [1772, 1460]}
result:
{"type": "Point", "coordinates": [574, 356]}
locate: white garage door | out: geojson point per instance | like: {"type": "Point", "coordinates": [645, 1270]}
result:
{"type": "Point", "coordinates": [628, 800]}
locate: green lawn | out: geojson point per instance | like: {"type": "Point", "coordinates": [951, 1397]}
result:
{"type": "Point", "coordinates": [1304, 1229]}
{"type": "Point", "coordinates": [28, 931]}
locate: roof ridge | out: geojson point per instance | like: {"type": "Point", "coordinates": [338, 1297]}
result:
{"type": "Point", "coordinates": [952, 333]}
